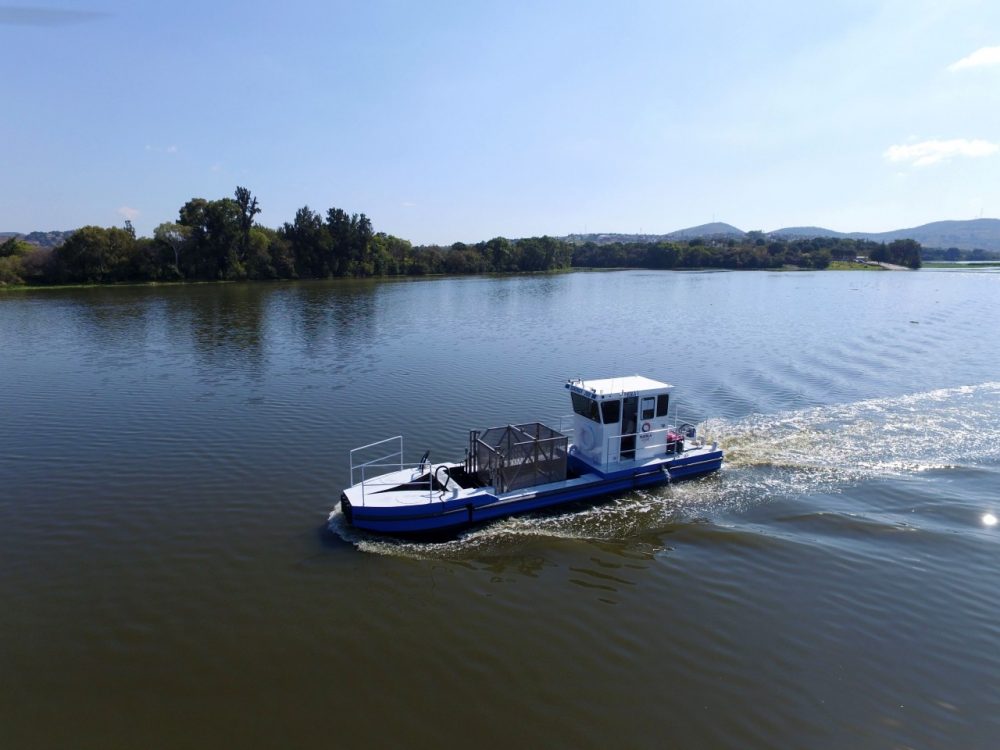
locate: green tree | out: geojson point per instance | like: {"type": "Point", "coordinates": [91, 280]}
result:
{"type": "Point", "coordinates": [309, 243]}
{"type": "Point", "coordinates": [338, 227]}
{"type": "Point", "coordinates": [82, 257]}
{"type": "Point", "coordinates": [172, 238]}
{"type": "Point", "coordinates": [905, 253]}
{"type": "Point", "coordinates": [248, 208]}
{"type": "Point", "coordinates": [12, 253]}
{"type": "Point", "coordinates": [15, 247]}
{"type": "Point", "coordinates": [215, 234]}
{"type": "Point", "coordinates": [500, 254]}
{"type": "Point", "coordinates": [94, 255]}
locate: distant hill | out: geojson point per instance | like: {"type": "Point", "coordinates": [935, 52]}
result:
{"type": "Point", "coordinates": [972, 234]}
{"type": "Point", "coordinates": [982, 234]}
{"type": "Point", "coordinates": [715, 230]}
{"type": "Point", "coordinates": [42, 239]}
{"type": "Point", "coordinates": [805, 232]}
{"type": "Point", "coordinates": [610, 238]}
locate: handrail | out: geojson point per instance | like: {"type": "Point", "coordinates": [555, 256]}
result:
{"type": "Point", "coordinates": [565, 419]}
{"type": "Point", "coordinates": [385, 461]}
{"type": "Point", "coordinates": [397, 452]}
{"type": "Point", "coordinates": [698, 441]}
{"type": "Point", "coordinates": [379, 442]}
{"type": "Point", "coordinates": [366, 482]}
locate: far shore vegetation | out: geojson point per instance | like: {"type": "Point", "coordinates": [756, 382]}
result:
{"type": "Point", "coordinates": [963, 264]}
{"type": "Point", "coordinates": [853, 265]}
{"type": "Point", "coordinates": [219, 240]}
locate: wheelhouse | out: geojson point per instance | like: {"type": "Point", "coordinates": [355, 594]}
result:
{"type": "Point", "coordinates": [619, 420]}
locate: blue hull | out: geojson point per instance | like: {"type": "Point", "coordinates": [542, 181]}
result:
{"type": "Point", "coordinates": [456, 514]}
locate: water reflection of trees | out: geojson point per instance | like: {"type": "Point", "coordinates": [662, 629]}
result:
{"type": "Point", "coordinates": [246, 327]}
{"type": "Point", "coordinates": [324, 315]}
{"type": "Point", "coordinates": [222, 325]}
{"type": "Point", "coordinates": [116, 325]}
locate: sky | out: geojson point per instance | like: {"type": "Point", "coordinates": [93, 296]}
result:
{"type": "Point", "coordinates": [463, 121]}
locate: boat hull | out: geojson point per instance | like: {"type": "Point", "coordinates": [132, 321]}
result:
{"type": "Point", "coordinates": [443, 515]}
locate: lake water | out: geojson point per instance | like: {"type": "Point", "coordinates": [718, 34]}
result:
{"type": "Point", "coordinates": [169, 457]}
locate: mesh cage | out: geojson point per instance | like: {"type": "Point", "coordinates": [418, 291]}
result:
{"type": "Point", "coordinates": [518, 456]}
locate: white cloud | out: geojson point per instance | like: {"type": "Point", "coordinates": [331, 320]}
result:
{"type": "Point", "coordinates": [171, 149]}
{"type": "Point", "coordinates": [981, 58]}
{"type": "Point", "coordinates": [926, 153]}
{"type": "Point", "coordinates": [128, 212]}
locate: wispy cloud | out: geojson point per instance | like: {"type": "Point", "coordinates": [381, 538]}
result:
{"type": "Point", "coordinates": [19, 16]}
{"type": "Point", "coordinates": [925, 153]}
{"type": "Point", "coordinates": [981, 58]}
{"type": "Point", "coordinates": [128, 212]}
{"type": "Point", "coordinates": [171, 149]}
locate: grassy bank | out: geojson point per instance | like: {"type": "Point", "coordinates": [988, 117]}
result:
{"type": "Point", "coordinates": [849, 265]}
{"type": "Point", "coordinates": [951, 264]}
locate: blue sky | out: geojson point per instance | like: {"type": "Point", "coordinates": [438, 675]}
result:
{"type": "Point", "coordinates": [461, 121]}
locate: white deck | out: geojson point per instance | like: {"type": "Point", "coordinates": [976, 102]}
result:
{"type": "Point", "coordinates": [377, 492]}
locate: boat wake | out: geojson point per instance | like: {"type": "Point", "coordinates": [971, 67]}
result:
{"type": "Point", "coordinates": [818, 450]}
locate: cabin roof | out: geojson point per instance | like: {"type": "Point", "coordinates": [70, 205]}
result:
{"type": "Point", "coordinates": [621, 384]}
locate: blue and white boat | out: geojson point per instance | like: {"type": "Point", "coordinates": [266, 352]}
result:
{"type": "Point", "coordinates": [625, 435]}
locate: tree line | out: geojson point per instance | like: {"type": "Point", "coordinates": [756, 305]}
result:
{"type": "Point", "coordinates": [754, 251]}
{"type": "Point", "coordinates": [221, 240]}
{"type": "Point", "coordinates": [953, 254]}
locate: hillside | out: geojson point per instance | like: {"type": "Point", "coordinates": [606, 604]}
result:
{"type": "Point", "coordinates": [805, 232]}
{"type": "Point", "coordinates": [972, 234]}
{"type": "Point", "coordinates": [715, 230]}
{"type": "Point", "coordinates": [42, 239]}
{"type": "Point", "coordinates": [983, 234]}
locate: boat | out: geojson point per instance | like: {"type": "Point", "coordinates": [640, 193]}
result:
{"type": "Point", "coordinates": [625, 435]}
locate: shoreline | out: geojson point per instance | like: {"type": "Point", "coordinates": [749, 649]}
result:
{"type": "Point", "coordinates": [834, 266]}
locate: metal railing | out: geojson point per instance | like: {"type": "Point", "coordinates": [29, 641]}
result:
{"type": "Point", "coordinates": [680, 432]}
{"type": "Point", "coordinates": [385, 463]}
{"type": "Point", "coordinates": [517, 456]}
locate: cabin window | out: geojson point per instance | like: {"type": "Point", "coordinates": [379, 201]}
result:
{"type": "Point", "coordinates": [662, 402]}
{"type": "Point", "coordinates": [647, 408]}
{"type": "Point", "coordinates": [585, 407]}
{"type": "Point", "coordinates": [611, 411]}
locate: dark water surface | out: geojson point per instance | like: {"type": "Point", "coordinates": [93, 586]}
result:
{"type": "Point", "coordinates": [169, 456]}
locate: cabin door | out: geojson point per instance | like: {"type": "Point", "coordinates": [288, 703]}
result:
{"type": "Point", "coordinates": [630, 408]}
